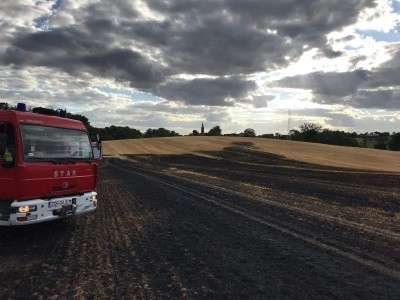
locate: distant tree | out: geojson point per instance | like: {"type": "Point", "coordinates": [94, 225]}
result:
{"type": "Point", "coordinates": [394, 143]}
{"type": "Point", "coordinates": [295, 135]}
{"type": "Point", "coordinates": [233, 134]}
{"type": "Point", "coordinates": [380, 145]}
{"type": "Point", "coordinates": [384, 134]}
{"type": "Point", "coordinates": [160, 132]}
{"type": "Point", "coordinates": [249, 132]}
{"type": "Point", "coordinates": [45, 111]}
{"type": "Point", "coordinates": [81, 118]}
{"type": "Point", "coordinates": [114, 133]}
{"type": "Point", "coordinates": [195, 133]}
{"type": "Point", "coordinates": [310, 131]}
{"type": "Point", "coordinates": [215, 131]}
{"type": "Point", "coordinates": [150, 133]}
{"type": "Point", "coordinates": [267, 136]}
{"type": "Point", "coordinates": [340, 138]}
{"type": "Point", "coordinates": [4, 105]}
{"type": "Point", "coordinates": [353, 134]}
{"type": "Point", "coordinates": [173, 133]}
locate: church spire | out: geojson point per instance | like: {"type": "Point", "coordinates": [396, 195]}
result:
{"type": "Point", "coordinates": [202, 128]}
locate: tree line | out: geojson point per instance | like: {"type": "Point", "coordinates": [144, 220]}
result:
{"type": "Point", "coordinates": [314, 133]}
{"type": "Point", "coordinates": [108, 133]}
{"type": "Point", "coordinates": [309, 132]}
{"type": "Point", "coordinates": [112, 132]}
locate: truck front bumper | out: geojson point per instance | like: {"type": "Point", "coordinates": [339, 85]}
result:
{"type": "Point", "coordinates": [42, 210]}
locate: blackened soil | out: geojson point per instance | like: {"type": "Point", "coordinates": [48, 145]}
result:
{"type": "Point", "coordinates": [233, 224]}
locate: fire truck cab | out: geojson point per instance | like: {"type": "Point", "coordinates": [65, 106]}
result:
{"type": "Point", "coordinates": [47, 168]}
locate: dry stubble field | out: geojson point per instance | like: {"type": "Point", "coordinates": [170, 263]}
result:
{"type": "Point", "coordinates": [218, 217]}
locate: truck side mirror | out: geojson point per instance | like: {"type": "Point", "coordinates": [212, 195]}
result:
{"type": "Point", "coordinates": [3, 143]}
{"type": "Point", "coordinates": [98, 142]}
{"type": "Point", "coordinates": [98, 150]}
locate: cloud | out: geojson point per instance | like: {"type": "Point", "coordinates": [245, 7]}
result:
{"type": "Point", "coordinates": [324, 117]}
{"type": "Point", "coordinates": [149, 44]}
{"type": "Point", "coordinates": [203, 60]}
{"type": "Point", "coordinates": [381, 99]}
{"type": "Point", "coordinates": [68, 51]}
{"type": "Point", "coordinates": [340, 120]}
{"type": "Point", "coordinates": [376, 88]}
{"type": "Point", "coordinates": [330, 83]}
{"type": "Point", "coordinates": [262, 101]}
{"type": "Point", "coordinates": [211, 92]}
{"type": "Point", "coordinates": [387, 74]}
{"type": "Point", "coordinates": [217, 117]}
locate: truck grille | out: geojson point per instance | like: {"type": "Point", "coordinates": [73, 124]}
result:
{"type": "Point", "coordinates": [61, 188]}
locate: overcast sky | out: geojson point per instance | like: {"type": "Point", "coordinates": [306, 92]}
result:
{"type": "Point", "coordinates": [233, 63]}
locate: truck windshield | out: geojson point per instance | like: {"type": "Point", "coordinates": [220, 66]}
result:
{"type": "Point", "coordinates": [54, 144]}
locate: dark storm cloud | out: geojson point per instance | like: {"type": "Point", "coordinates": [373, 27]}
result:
{"type": "Point", "coordinates": [230, 37]}
{"type": "Point", "coordinates": [213, 92]}
{"type": "Point", "coordinates": [69, 51]}
{"type": "Point", "coordinates": [329, 84]}
{"type": "Point", "coordinates": [126, 65]}
{"type": "Point", "coordinates": [388, 74]}
{"type": "Point", "coordinates": [378, 99]}
{"type": "Point", "coordinates": [381, 99]}
{"type": "Point", "coordinates": [378, 88]}
{"type": "Point", "coordinates": [211, 37]}
{"type": "Point", "coordinates": [262, 101]}
{"type": "Point", "coordinates": [221, 48]}
{"type": "Point", "coordinates": [58, 42]}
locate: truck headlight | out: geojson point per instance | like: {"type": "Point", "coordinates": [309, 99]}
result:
{"type": "Point", "coordinates": [26, 208]}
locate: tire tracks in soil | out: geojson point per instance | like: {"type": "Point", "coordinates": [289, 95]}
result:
{"type": "Point", "coordinates": [322, 243]}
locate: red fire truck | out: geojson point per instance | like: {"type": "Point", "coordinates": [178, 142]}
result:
{"type": "Point", "coordinates": [47, 168]}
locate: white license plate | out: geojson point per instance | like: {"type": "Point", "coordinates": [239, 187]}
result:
{"type": "Point", "coordinates": [56, 203]}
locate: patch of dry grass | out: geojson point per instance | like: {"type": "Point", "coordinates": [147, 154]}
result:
{"type": "Point", "coordinates": [328, 155]}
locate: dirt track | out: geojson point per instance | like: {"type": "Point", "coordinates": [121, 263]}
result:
{"type": "Point", "coordinates": [236, 223]}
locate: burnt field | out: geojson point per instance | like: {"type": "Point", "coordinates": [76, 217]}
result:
{"type": "Point", "coordinates": [235, 223]}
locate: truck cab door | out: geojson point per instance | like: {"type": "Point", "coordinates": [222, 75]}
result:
{"type": "Point", "coordinates": [7, 145]}
{"type": "Point", "coordinates": [7, 161]}
{"type": "Point", "coordinates": [3, 142]}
